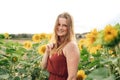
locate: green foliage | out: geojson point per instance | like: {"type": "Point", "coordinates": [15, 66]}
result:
{"type": "Point", "coordinates": [100, 74]}
{"type": "Point", "coordinates": [105, 65]}
{"type": "Point", "coordinates": [2, 36]}
{"type": "Point", "coordinates": [18, 63]}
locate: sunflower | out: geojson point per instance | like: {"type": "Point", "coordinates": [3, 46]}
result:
{"type": "Point", "coordinates": [41, 49]}
{"type": "Point", "coordinates": [27, 44]}
{"type": "Point", "coordinates": [94, 32]}
{"type": "Point", "coordinates": [49, 36]}
{"type": "Point", "coordinates": [81, 43]}
{"type": "Point", "coordinates": [36, 38]}
{"type": "Point", "coordinates": [6, 35]}
{"type": "Point", "coordinates": [94, 49]}
{"type": "Point", "coordinates": [43, 36]}
{"type": "Point", "coordinates": [110, 33]}
{"type": "Point", "coordinates": [90, 39]}
{"type": "Point", "coordinates": [81, 75]}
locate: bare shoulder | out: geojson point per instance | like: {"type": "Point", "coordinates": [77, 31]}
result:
{"type": "Point", "coordinates": [71, 48]}
{"type": "Point", "coordinates": [71, 44]}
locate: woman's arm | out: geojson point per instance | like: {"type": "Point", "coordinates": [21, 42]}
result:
{"type": "Point", "coordinates": [44, 60]}
{"type": "Point", "coordinates": [71, 52]}
{"type": "Point", "coordinates": [46, 55]}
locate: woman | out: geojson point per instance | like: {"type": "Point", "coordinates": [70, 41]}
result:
{"type": "Point", "coordinates": [61, 57]}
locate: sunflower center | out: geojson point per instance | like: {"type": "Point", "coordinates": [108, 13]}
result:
{"type": "Point", "coordinates": [109, 33]}
{"type": "Point", "coordinates": [37, 37]}
{"type": "Point", "coordinates": [79, 78]}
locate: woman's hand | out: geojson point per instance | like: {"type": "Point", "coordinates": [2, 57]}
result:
{"type": "Point", "coordinates": [49, 47]}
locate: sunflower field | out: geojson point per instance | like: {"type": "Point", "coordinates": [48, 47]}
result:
{"type": "Point", "coordinates": [99, 56]}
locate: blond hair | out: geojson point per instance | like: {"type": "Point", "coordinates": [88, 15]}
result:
{"type": "Point", "coordinates": [70, 34]}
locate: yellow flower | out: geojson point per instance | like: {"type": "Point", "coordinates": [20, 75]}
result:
{"type": "Point", "coordinates": [81, 43]}
{"type": "Point", "coordinates": [36, 38]}
{"type": "Point", "coordinates": [43, 36]}
{"type": "Point", "coordinates": [49, 36]}
{"type": "Point", "coordinates": [108, 38]}
{"type": "Point", "coordinates": [110, 33]}
{"type": "Point", "coordinates": [27, 44]}
{"type": "Point", "coordinates": [94, 32]}
{"type": "Point", "coordinates": [80, 46]}
{"type": "Point", "coordinates": [6, 35]}
{"type": "Point", "coordinates": [81, 75]}
{"type": "Point", "coordinates": [90, 38]}
{"type": "Point", "coordinates": [94, 49]}
{"type": "Point", "coordinates": [87, 43]}
{"type": "Point", "coordinates": [41, 49]}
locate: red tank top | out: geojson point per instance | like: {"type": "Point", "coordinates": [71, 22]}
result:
{"type": "Point", "coordinates": [57, 67]}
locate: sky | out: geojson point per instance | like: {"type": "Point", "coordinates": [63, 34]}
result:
{"type": "Point", "coordinates": [38, 16]}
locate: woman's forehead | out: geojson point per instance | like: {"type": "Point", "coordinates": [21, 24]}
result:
{"type": "Point", "coordinates": [62, 20]}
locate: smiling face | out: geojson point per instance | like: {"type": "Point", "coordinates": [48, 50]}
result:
{"type": "Point", "coordinates": [62, 27]}
{"type": "Point", "coordinates": [63, 31]}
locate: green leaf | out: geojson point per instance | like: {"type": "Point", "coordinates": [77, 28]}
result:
{"type": "Point", "coordinates": [84, 54]}
{"type": "Point", "coordinates": [4, 76]}
{"type": "Point", "coordinates": [17, 78]}
{"type": "Point", "coordinates": [10, 50]}
{"type": "Point", "coordinates": [4, 62]}
{"type": "Point", "coordinates": [99, 74]}
{"type": "Point", "coordinates": [112, 77]}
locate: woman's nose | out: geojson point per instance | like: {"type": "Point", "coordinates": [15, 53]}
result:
{"type": "Point", "coordinates": [60, 27]}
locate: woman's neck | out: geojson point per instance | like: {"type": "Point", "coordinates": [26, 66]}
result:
{"type": "Point", "coordinates": [61, 39]}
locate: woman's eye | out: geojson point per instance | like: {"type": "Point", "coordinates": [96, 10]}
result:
{"type": "Point", "coordinates": [65, 25]}
{"type": "Point", "coordinates": [62, 25]}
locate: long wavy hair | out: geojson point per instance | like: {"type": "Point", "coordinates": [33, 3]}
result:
{"type": "Point", "coordinates": [69, 36]}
